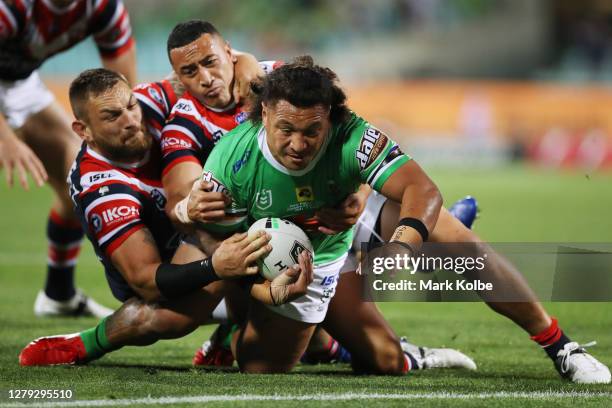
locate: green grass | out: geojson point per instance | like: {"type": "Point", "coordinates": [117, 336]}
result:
{"type": "Point", "coordinates": [518, 205]}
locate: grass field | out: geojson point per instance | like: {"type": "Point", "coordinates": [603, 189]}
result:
{"type": "Point", "coordinates": [518, 205]}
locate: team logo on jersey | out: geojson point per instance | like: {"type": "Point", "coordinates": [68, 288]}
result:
{"type": "Point", "coordinates": [373, 142]}
{"type": "Point", "coordinates": [241, 117]}
{"type": "Point", "coordinates": [96, 223]}
{"type": "Point", "coordinates": [304, 194]}
{"type": "Point", "coordinates": [263, 199]}
{"type": "Point", "coordinates": [103, 190]}
{"type": "Point", "coordinates": [183, 106]}
{"type": "Point", "coordinates": [155, 95]}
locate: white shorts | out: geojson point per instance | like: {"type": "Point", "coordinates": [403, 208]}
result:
{"type": "Point", "coordinates": [23, 98]}
{"type": "Point", "coordinates": [312, 307]}
{"type": "Point", "coordinates": [364, 229]}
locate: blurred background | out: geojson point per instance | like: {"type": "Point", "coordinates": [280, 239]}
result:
{"type": "Point", "coordinates": [476, 82]}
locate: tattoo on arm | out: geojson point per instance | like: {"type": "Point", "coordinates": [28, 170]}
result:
{"type": "Point", "coordinates": [399, 231]}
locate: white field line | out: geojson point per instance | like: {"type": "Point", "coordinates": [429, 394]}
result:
{"type": "Point", "coordinates": [537, 395]}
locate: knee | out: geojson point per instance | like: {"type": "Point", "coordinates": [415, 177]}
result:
{"type": "Point", "coordinates": [155, 323]}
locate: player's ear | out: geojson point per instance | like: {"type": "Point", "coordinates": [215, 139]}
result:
{"type": "Point", "coordinates": [231, 53]}
{"type": "Point", "coordinates": [264, 113]}
{"type": "Point", "coordinates": [80, 129]}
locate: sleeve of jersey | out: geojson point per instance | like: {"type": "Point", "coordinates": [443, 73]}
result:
{"type": "Point", "coordinates": [375, 156]}
{"type": "Point", "coordinates": [155, 105]}
{"type": "Point", "coordinates": [12, 18]}
{"type": "Point", "coordinates": [112, 28]}
{"type": "Point", "coordinates": [182, 140]}
{"type": "Point", "coordinates": [217, 170]}
{"type": "Point", "coordinates": [112, 216]}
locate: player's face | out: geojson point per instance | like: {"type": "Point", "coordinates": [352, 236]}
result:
{"type": "Point", "coordinates": [206, 69]}
{"type": "Point", "coordinates": [113, 125]}
{"type": "Point", "coordinates": [295, 135]}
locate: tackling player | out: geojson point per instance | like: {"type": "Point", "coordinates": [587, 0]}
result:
{"type": "Point", "coordinates": [118, 196]}
{"type": "Point", "coordinates": [35, 133]}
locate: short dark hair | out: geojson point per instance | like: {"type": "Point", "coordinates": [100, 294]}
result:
{"type": "Point", "coordinates": [91, 82]}
{"type": "Point", "coordinates": [302, 84]}
{"type": "Point", "coordinates": [187, 32]}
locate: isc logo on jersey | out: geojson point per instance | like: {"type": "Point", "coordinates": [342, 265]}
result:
{"type": "Point", "coordinates": [373, 142]}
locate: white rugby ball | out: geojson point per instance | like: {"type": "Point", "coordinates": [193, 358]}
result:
{"type": "Point", "coordinates": [288, 241]}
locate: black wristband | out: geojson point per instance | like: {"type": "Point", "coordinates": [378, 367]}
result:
{"type": "Point", "coordinates": [417, 225]}
{"type": "Point", "coordinates": [175, 280]}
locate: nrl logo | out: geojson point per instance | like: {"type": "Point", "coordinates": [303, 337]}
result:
{"type": "Point", "coordinates": [263, 199]}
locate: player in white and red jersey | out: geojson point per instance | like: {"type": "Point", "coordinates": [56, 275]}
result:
{"type": "Point", "coordinates": [156, 100]}
{"type": "Point", "coordinates": [35, 134]}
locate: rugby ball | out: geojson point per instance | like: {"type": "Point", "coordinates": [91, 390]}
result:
{"type": "Point", "coordinates": [288, 241]}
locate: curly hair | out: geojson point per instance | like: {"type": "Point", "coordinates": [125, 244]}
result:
{"type": "Point", "coordinates": [302, 84]}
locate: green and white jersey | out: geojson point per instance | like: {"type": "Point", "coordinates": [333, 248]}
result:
{"type": "Point", "coordinates": [242, 165]}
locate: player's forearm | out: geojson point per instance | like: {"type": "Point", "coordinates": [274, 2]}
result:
{"type": "Point", "coordinates": [124, 64]}
{"type": "Point", "coordinates": [171, 281]}
{"type": "Point", "coordinates": [177, 185]}
{"type": "Point", "coordinates": [421, 204]}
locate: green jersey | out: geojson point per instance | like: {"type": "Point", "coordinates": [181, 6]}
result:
{"type": "Point", "coordinates": [242, 166]}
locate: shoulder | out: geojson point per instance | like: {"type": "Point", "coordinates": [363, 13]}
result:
{"type": "Point", "coordinates": [235, 152]}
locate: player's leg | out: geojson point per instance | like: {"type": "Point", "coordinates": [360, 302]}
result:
{"type": "Point", "coordinates": [361, 329]}
{"type": "Point", "coordinates": [375, 348]}
{"type": "Point", "coordinates": [377, 223]}
{"type": "Point", "coordinates": [47, 132]}
{"type": "Point", "coordinates": [569, 357]}
{"type": "Point", "coordinates": [269, 342]}
{"type": "Point", "coordinates": [135, 323]}
{"type": "Point", "coordinates": [529, 315]}
{"type": "Point", "coordinates": [273, 338]}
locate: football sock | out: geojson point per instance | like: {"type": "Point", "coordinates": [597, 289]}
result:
{"type": "Point", "coordinates": [95, 341]}
{"type": "Point", "coordinates": [64, 237]}
{"type": "Point", "coordinates": [410, 363]}
{"type": "Point", "coordinates": [336, 352]}
{"type": "Point", "coordinates": [551, 339]}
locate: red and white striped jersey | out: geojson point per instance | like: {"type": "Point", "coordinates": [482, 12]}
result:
{"type": "Point", "coordinates": [114, 200]}
{"type": "Point", "coordinates": [156, 100]}
{"type": "Point", "coordinates": [193, 128]}
{"type": "Point", "coordinates": [31, 31]}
